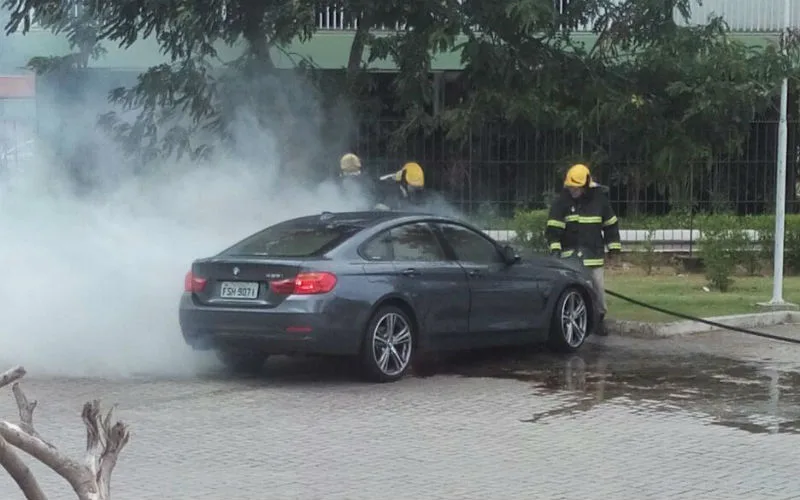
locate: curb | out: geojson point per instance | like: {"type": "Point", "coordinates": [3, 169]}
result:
{"type": "Point", "coordinates": [645, 330]}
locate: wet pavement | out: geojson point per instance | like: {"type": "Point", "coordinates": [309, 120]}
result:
{"type": "Point", "coordinates": [710, 416]}
{"type": "Point", "coordinates": [751, 396]}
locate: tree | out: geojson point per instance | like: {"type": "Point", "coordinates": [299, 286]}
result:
{"type": "Point", "coordinates": [647, 93]}
{"type": "Point", "coordinates": [91, 480]}
{"type": "Point", "coordinates": [678, 98]}
{"type": "Point", "coordinates": [196, 94]}
{"type": "Point", "coordinates": [650, 89]}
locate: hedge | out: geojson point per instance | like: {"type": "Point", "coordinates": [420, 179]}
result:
{"type": "Point", "coordinates": [724, 243]}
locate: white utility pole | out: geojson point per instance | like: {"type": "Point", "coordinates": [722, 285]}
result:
{"type": "Point", "coordinates": [780, 194]}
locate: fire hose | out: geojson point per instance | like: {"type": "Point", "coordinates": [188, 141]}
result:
{"type": "Point", "coordinates": [701, 320]}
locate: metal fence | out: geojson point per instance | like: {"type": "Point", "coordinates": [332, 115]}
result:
{"type": "Point", "coordinates": [753, 16]}
{"type": "Point", "coordinates": [506, 168]}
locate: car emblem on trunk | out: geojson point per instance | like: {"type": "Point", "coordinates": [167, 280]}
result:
{"type": "Point", "coordinates": [236, 271]}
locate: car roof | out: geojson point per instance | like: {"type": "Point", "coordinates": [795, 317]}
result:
{"type": "Point", "coordinates": [363, 219]}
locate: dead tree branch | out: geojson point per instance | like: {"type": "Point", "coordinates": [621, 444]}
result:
{"type": "Point", "coordinates": [20, 472]}
{"type": "Point", "coordinates": [104, 442]}
{"type": "Point", "coordinates": [12, 375]}
{"type": "Point", "coordinates": [90, 480]}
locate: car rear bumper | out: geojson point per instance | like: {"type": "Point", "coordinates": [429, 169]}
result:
{"type": "Point", "coordinates": [271, 330]}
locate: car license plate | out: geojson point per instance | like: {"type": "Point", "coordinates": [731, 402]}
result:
{"type": "Point", "coordinates": [238, 290]}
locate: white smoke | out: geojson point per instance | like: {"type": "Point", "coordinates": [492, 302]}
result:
{"type": "Point", "coordinates": [91, 282]}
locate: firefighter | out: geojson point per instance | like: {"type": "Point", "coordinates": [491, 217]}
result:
{"type": "Point", "coordinates": [581, 223]}
{"type": "Point", "coordinates": [351, 174]}
{"type": "Point", "coordinates": [410, 187]}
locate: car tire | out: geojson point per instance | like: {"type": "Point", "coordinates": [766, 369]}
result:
{"type": "Point", "coordinates": [389, 345]}
{"type": "Point", "coordinates": [570, 323]}
{"type": "Point", "coordinates": [241, 361]}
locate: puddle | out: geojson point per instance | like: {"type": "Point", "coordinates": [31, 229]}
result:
{"type": "Point", "coordinates": [752, 397]}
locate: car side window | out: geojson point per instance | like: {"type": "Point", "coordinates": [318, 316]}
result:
{"type": "Point", "coordinates": [415, 242]}
{"type": "Point", "coordinates": [379, 249]}
{"type": "Point", "coordinates": [470, 246]}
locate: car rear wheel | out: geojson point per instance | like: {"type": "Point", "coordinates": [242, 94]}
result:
{"type": "Point", "coordinates": [570, 323]}
{"type": "Point", "coordinates": [388, 345]}
{"type": "Point", "coordinates": [241, 361]}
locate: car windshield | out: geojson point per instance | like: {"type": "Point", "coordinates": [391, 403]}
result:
{"type": "Point", "coordinates": [294, 240]}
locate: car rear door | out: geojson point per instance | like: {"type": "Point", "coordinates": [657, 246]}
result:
{"type": "Point", "coordinates": [435, 286]}
{"type": "Point", "coordinates": [502, 301]}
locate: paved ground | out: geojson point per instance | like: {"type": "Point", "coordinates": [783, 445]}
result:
{"type": "Point", "coordinates": [705, 417]}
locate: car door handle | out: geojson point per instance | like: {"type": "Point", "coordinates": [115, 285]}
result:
{"type": "Point", "coordinates": [410, 272]}
{"type": "Point", "coordinates": [474, 273]}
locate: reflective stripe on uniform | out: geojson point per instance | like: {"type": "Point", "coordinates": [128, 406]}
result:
{"type": "Point", "coordinates": [610, 222]}
{"type": "Point", "coordinates": [572, 218]}
{"type": "Point", "coordinates": [556, 223]}
{"type": "Point", "coordinates": [568, 253]}
{"type": "Point", "coordinates": [590, 219]}
{"type": "Point", "coordinates": [555, 245]}
{"type": "Point", "coordinates": [615, 246]}
{"type": "Point", "coordinates": [592, 262]}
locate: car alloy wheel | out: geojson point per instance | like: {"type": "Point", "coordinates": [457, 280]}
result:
{"type": "Point", "coordinates": [388, 346]}
{"type": "Point", "coordinates": [391, 344]}
{"type": "Point", "coordinates": [574, 319]}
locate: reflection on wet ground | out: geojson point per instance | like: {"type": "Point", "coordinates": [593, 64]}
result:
{"type": "Point", "coordinates": [748, 396]}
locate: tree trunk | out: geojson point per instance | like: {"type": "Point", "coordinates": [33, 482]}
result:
{"type": "Point", "coordinates": [357, 46]}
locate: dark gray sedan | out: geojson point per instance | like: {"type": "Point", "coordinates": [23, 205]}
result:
{"type": "Point", "coordinates": [381, 287]}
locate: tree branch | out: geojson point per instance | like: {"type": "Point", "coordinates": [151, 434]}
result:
{"type": "Point", "coordinates": [104, 442]}
{"type": "Point", "coordinates": [26, 409]}
{"type": "Point", "coordinates": [12, 375]}
{"type": "Point", "coordinates": [61, 464]}
{"type": "Point", "coordinates": [20, 472]}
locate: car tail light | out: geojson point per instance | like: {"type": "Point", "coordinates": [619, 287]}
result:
{"type": "Point", "coordinates": [305, 284]}
{"type": "Point", "coordinates": [194, 284]}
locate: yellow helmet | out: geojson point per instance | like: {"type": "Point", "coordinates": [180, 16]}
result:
{"type": "Point", "coordinates": [578, 175]}
{"type": "Point", "coordinates": [413, 173]}
{"type": "Point", "coordinates": [350, 163]}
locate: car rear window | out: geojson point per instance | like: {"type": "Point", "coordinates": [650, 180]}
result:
{"type": "Point", "coordinates": [292, 240]}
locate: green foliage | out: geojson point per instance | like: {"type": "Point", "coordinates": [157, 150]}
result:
{"type": "Point", "coordinates": [728, 241]}
{"type": "Point", "coordinates": [529, 227]}
{"type": "Point", "coordinates": [791, 245]}
{"type": "Point", "coordinates": [648, 255]}
{"type": "Point", "coordinates": [677, 95]}
{"type": "Point", "coordinates": [722, 240]}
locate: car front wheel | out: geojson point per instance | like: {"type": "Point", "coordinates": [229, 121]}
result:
{"type": "Point", "coordinates": [388, 345]}
{"type": "Point", "coordinates": [241, 361]}
{"type": "Point", "coordinates": [570, 323]}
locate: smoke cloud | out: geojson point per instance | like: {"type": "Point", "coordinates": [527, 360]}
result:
{"type": "Point", "coordinates": [92, 277]}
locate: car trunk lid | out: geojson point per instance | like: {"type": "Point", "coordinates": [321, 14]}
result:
{"type": "Point", "coordinates": [243, 281]}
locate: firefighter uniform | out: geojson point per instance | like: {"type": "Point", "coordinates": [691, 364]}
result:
{"type": "Point", "coordinates": [408, 189]}
{"type": "Point", "coordinates": [581, 223]}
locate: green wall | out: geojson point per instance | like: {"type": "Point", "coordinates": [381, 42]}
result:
{"type": "Point", "coordinates": [328, 49]}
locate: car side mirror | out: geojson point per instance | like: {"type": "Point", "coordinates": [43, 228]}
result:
{"type": "Point", "coordinates": [510, 255]}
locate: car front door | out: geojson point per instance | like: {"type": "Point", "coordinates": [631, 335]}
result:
{"type": "Point", "coordinates": [435, 286]}
{"type": "Point", "coordinates": [502, 300]}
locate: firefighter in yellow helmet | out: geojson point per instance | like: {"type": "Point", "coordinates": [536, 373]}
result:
{"type": "Point", "coordinates": [410, 184]}
{"type": "Point", "coordinates": [351, 176]}
{"type": "Point", "coordinates": [581, 224]}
